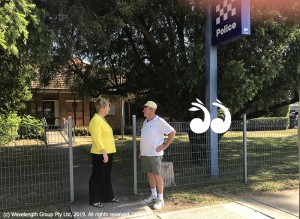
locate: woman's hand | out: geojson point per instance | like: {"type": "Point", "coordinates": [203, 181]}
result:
{"type": "Point", "coordinates": [105, 156]}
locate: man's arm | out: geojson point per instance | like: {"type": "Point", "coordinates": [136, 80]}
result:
{"type": "Point", "coordinates": [170, 139]}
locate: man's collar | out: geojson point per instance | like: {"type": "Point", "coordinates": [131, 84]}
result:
{"type": "Point", "coordinates": [154, 118]}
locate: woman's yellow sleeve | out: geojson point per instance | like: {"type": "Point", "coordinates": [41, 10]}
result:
{"type": "Point", "coordinates": [96, 134]}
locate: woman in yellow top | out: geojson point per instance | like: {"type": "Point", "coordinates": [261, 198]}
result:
{"type": "Point", "coordinates": [103, 148]}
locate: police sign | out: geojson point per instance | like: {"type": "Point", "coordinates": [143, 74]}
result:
{"type": "Point", "coordinates": [230, 20]}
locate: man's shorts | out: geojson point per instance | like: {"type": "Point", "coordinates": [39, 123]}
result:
{"type": "Point", "coordinates": [151, 164]}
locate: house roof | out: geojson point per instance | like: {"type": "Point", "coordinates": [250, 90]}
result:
{"type": "Point", "coordinates": [59, 80]}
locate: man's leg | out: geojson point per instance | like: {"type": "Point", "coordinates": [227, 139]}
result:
{"type": "Point", "coordinates": [152, 183]}
{"type": "Point", "coordinates": [159, 183]}
{"type": "Point", "coordinates": [160, 189]}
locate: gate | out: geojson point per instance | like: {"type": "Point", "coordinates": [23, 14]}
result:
{"type": "Point", "coordinates": [35, 165]}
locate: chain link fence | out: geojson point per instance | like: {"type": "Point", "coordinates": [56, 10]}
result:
{"type": "Point", "coordinates": [270, 150]}
{"type": "Point", "coordinates": [34, 165]}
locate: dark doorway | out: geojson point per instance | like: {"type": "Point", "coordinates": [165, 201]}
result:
{"type": "Point", "coordinates": [48, 112]}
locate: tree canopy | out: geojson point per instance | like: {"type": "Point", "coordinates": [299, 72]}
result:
{"type": "Point", "coordinates": [155, 49]}
{"type": "Point", "coordinates": [24, 44]}
{"type": "Point", "coordinates": [262, 69]}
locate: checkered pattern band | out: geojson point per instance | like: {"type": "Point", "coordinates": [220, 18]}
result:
{"type": "Point", "coordinates": [225, 10]}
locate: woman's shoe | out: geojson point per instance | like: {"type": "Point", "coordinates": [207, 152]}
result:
{"type": "Point", "coordinates": [115, 200]}
{"type": "Point", "coordinates": [97, 204]}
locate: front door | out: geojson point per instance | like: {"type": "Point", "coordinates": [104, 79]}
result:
{"type": "Point", "coordinates": [48, 110]}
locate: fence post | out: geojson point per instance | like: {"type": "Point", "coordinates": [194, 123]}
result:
{"type": "Point", "coordinates": [299, 137]}
{"type": "Point", "coordinates": [134, 154]}
{"type": "Point", "coordinates": [71, 158]}
{"type": "Point", "coordinates": [245, 148]}
{"type": "Point", "coordinates": [45, 130]}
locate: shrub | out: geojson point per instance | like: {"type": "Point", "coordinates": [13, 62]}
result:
{"type": "Point", "coordinates": [31, 127]}
{"type": "Point", "coordinates": [9, 126]}
{"type": "Point", "coordinates": [81, 131]}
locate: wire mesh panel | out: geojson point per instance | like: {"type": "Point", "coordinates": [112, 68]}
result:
{"type": "Point", "coordinates": [190, 152]}
{"type": "Point", "coordinates": [272, 150]}
{"type": "Point", "coordinates": [231, 163]}
{"type": "Point", "coordinates": [33, 166]}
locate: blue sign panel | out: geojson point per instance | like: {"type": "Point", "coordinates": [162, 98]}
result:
{"type": "Point", "coordinates": [230, 20]}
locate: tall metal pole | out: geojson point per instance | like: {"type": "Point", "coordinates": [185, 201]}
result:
{"type": "Point", "coordinates": [211, 94]}
{"type": "Point", "coordinates": [122, 117]}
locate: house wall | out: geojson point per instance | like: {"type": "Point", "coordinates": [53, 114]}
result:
{"type": "Point", "coordinates": [115, 120]}
{"type": "Point", "coordinates": [81, 115]}
{"type": "Point", "coordinates": [39, 105]}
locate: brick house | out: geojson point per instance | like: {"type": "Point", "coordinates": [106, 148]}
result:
{"type": "Point", "coordinates": [57, 101]}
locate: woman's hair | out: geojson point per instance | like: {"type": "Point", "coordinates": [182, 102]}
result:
{"type": "Point", "coordinates": [101, 102]}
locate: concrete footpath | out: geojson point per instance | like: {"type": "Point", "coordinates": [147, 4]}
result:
{"type": "Point", "coordinates": [281, 205]}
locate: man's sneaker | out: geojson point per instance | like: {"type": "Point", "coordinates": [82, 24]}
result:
{"type": "Point", "coordinates": [150, 199]}
{"type": "Point", "coordinates": [159, 204]}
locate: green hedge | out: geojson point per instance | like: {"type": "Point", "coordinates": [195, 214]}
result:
{"type": "Point", "coordinates": [271, 123]}
{"type": "Point", "coordinates": [264, 124]}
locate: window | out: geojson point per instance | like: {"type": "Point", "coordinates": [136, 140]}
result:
{"type": "Point", "coordinates": [31, 108]}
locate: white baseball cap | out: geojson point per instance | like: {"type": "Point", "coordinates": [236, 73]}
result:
{"type": "Point", "coordinates": [151, 104]}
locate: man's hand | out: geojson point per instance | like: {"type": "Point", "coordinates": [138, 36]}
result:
{"type": "Point", "coordinates": [170, 139]}
{"type": "Point", "coordinates": [161, 148]}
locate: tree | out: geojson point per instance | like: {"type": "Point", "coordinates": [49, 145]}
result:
{"type": "Point", "coordinates": [23, 46]}
{"type": "Point", "coordinates": [155, 49]}
{"type": "Point", "coordinates": [262, 68]}
{"type": "Point", "coordinates": [128, 42]}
